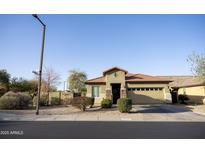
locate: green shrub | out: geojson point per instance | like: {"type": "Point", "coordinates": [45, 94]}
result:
{"type": "Point", "coordinates": [55, 101]}
{"type": "Point", "coordinates": [90, 101]}
{"type": "Point", "coordinates": [12, 100]}
{"type": "Point", "coordinates": [124, 104]}
{"type": "Point", "coordinates": [82, 102]}
{"type": "Point", "coordinates": [3, 90]}
{"type": "Point", "coordinates": [106, 103]}
{"type": "Point", "coordinates": [183, 98]}
{"type": "Point", "coordinates": [25, 100]}
{"type": "Point", "coordinates": [9, 101]}
{"type": "Point", "coordinates": [43, 100]}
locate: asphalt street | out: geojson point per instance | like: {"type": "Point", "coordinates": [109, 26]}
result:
{"type": "Point", "coordinates": [101, 130]}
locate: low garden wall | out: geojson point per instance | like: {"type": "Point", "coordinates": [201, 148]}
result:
{"type": "Point", "coordinates": [62, 97]}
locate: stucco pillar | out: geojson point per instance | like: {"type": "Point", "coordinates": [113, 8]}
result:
{"type": "Point", "coordinates": [108, 94]}
{"type": "Point", "coordinates": [123, 93]}
{"type": "Point", "coordinates": [203, 101]}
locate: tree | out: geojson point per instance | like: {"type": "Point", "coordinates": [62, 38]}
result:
{"type": "Point", "coordinates": [23, 85]}
{"type": "Point", "coordinates": [77, 80]}
{"type": "Point", "coordinates": [4, 79]}
{"type": "Point", "coordinates": [33, 91]}
{"type": "Point", "coordinates": [197, 62]}
{"type": "Point", "coordinates": [19, 85]}
{"type": "Point", "coordinates": [51, 79]}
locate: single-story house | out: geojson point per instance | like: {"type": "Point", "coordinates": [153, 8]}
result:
{"type": "Point", "coordinates": [118, 83]}
{"type": "Point", "coordinates": [191, 86]}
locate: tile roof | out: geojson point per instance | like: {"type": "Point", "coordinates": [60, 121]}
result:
{"type": "Point", "coordinates": [145, 78]}
{"type": "Point", "coordinates": [99, 80]}
{"type": "Point", "coordinates": [174, 81]}
{"type": "Point", "coordinates": [129, 77]}
{"type": "Point", "coordinates": [183, 81]}
{"type": "Point", "coordinates": [114, 68]}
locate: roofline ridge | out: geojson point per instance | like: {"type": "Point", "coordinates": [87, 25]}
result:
{"type": "Point", "coordinates": [115, 67]}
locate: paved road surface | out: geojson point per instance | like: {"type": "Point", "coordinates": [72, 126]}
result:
{"type": "Point", "coordinates": [102, 130]}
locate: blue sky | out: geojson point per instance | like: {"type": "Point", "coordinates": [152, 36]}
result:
{"type": "Point", "coordinates": [149, 44]}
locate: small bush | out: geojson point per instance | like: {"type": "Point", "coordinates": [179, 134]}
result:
{"type": "Point", "coordinates": [9, 101]}
{"type": "Point", "coordinates": [183, 98]}
{"type": "Point", "coordinates": [55, 101]}
{"type": "Point", "coordinates": [106, 103]}
{"type": "Point", "coordinates": [3, 90]}
{"type": "Point", "coordinates": [124, 104]}
{"type": "Point", "coordinates": [82, 102]}
{"type": "Point", "coordinates": [90, 101]}
{"type": "Point", "coordinates": [25, 100]}
{"type": "Point", "coordinates": [12, 100]}
{"type": "Point", "coordinates": [43, 100]}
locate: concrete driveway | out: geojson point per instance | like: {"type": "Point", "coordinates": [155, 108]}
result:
{"type": "Point", "coordinates": [158, 112]}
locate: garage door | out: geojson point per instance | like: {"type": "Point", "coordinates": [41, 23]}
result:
{"type": "Point", "coordinates": [146, 95]}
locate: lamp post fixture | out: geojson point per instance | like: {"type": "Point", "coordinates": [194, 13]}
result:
{"type": "Point", "coordinates": [36, 73]}
{"type": "Point", "coordinates": [64, 86]}
{"type": "Point", "coordinates": [41, 63]}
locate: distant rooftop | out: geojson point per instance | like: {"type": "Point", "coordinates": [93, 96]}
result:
{"type": "Point", "coordinates": [183, 81]}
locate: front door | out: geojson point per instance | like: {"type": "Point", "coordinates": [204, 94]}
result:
{"type": "Point", "coordinates": [115, 93]}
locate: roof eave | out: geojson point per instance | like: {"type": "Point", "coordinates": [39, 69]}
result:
{"type": "Point", "coordinates": [106, 71]}
{"type": "Point", "coordinates": [89, 83]}
{"type": "Point", "coordinates": [186, 86]}
{"type": "Point", "coordinates": [148, 81]}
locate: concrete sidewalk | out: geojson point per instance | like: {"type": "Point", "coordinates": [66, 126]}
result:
{"type": "Point", "coordinates": [162, 112]}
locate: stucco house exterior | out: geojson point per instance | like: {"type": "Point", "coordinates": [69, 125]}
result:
{"type": "Point", "coordinates": [118, 83]}
{"type": "Point", "coordinates": [191, 86]}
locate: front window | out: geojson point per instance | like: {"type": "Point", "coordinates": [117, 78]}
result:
{"type": "Point", "coordinates": [95, 91]}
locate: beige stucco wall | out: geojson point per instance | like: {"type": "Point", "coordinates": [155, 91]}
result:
{"type": "Point", "coordinates": [137, 96]}
{"type": "Point", "coordinates": [111, 78]}
{"type": "Point", "coordinates": [195, 94]}
{"type": "Point", "coordinates": [141, 97]}
{"type": "Point", "coordinates": [101, 93]}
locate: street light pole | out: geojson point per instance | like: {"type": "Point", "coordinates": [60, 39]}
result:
{"type": "Point", "coordinates": [64, 85]}
{"type": "Point", "coordinates": [41, 63]}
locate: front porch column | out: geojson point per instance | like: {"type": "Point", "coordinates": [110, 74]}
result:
{"type": "Point", "coordinates": [109, 94]}
{"type": "Point", "coordinates": [123, 93]}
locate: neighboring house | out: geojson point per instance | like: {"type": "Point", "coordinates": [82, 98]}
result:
{"type": "Point", "coordinates": [191, 86]}
{"type": "Point", "coordinates": [118, 83]}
